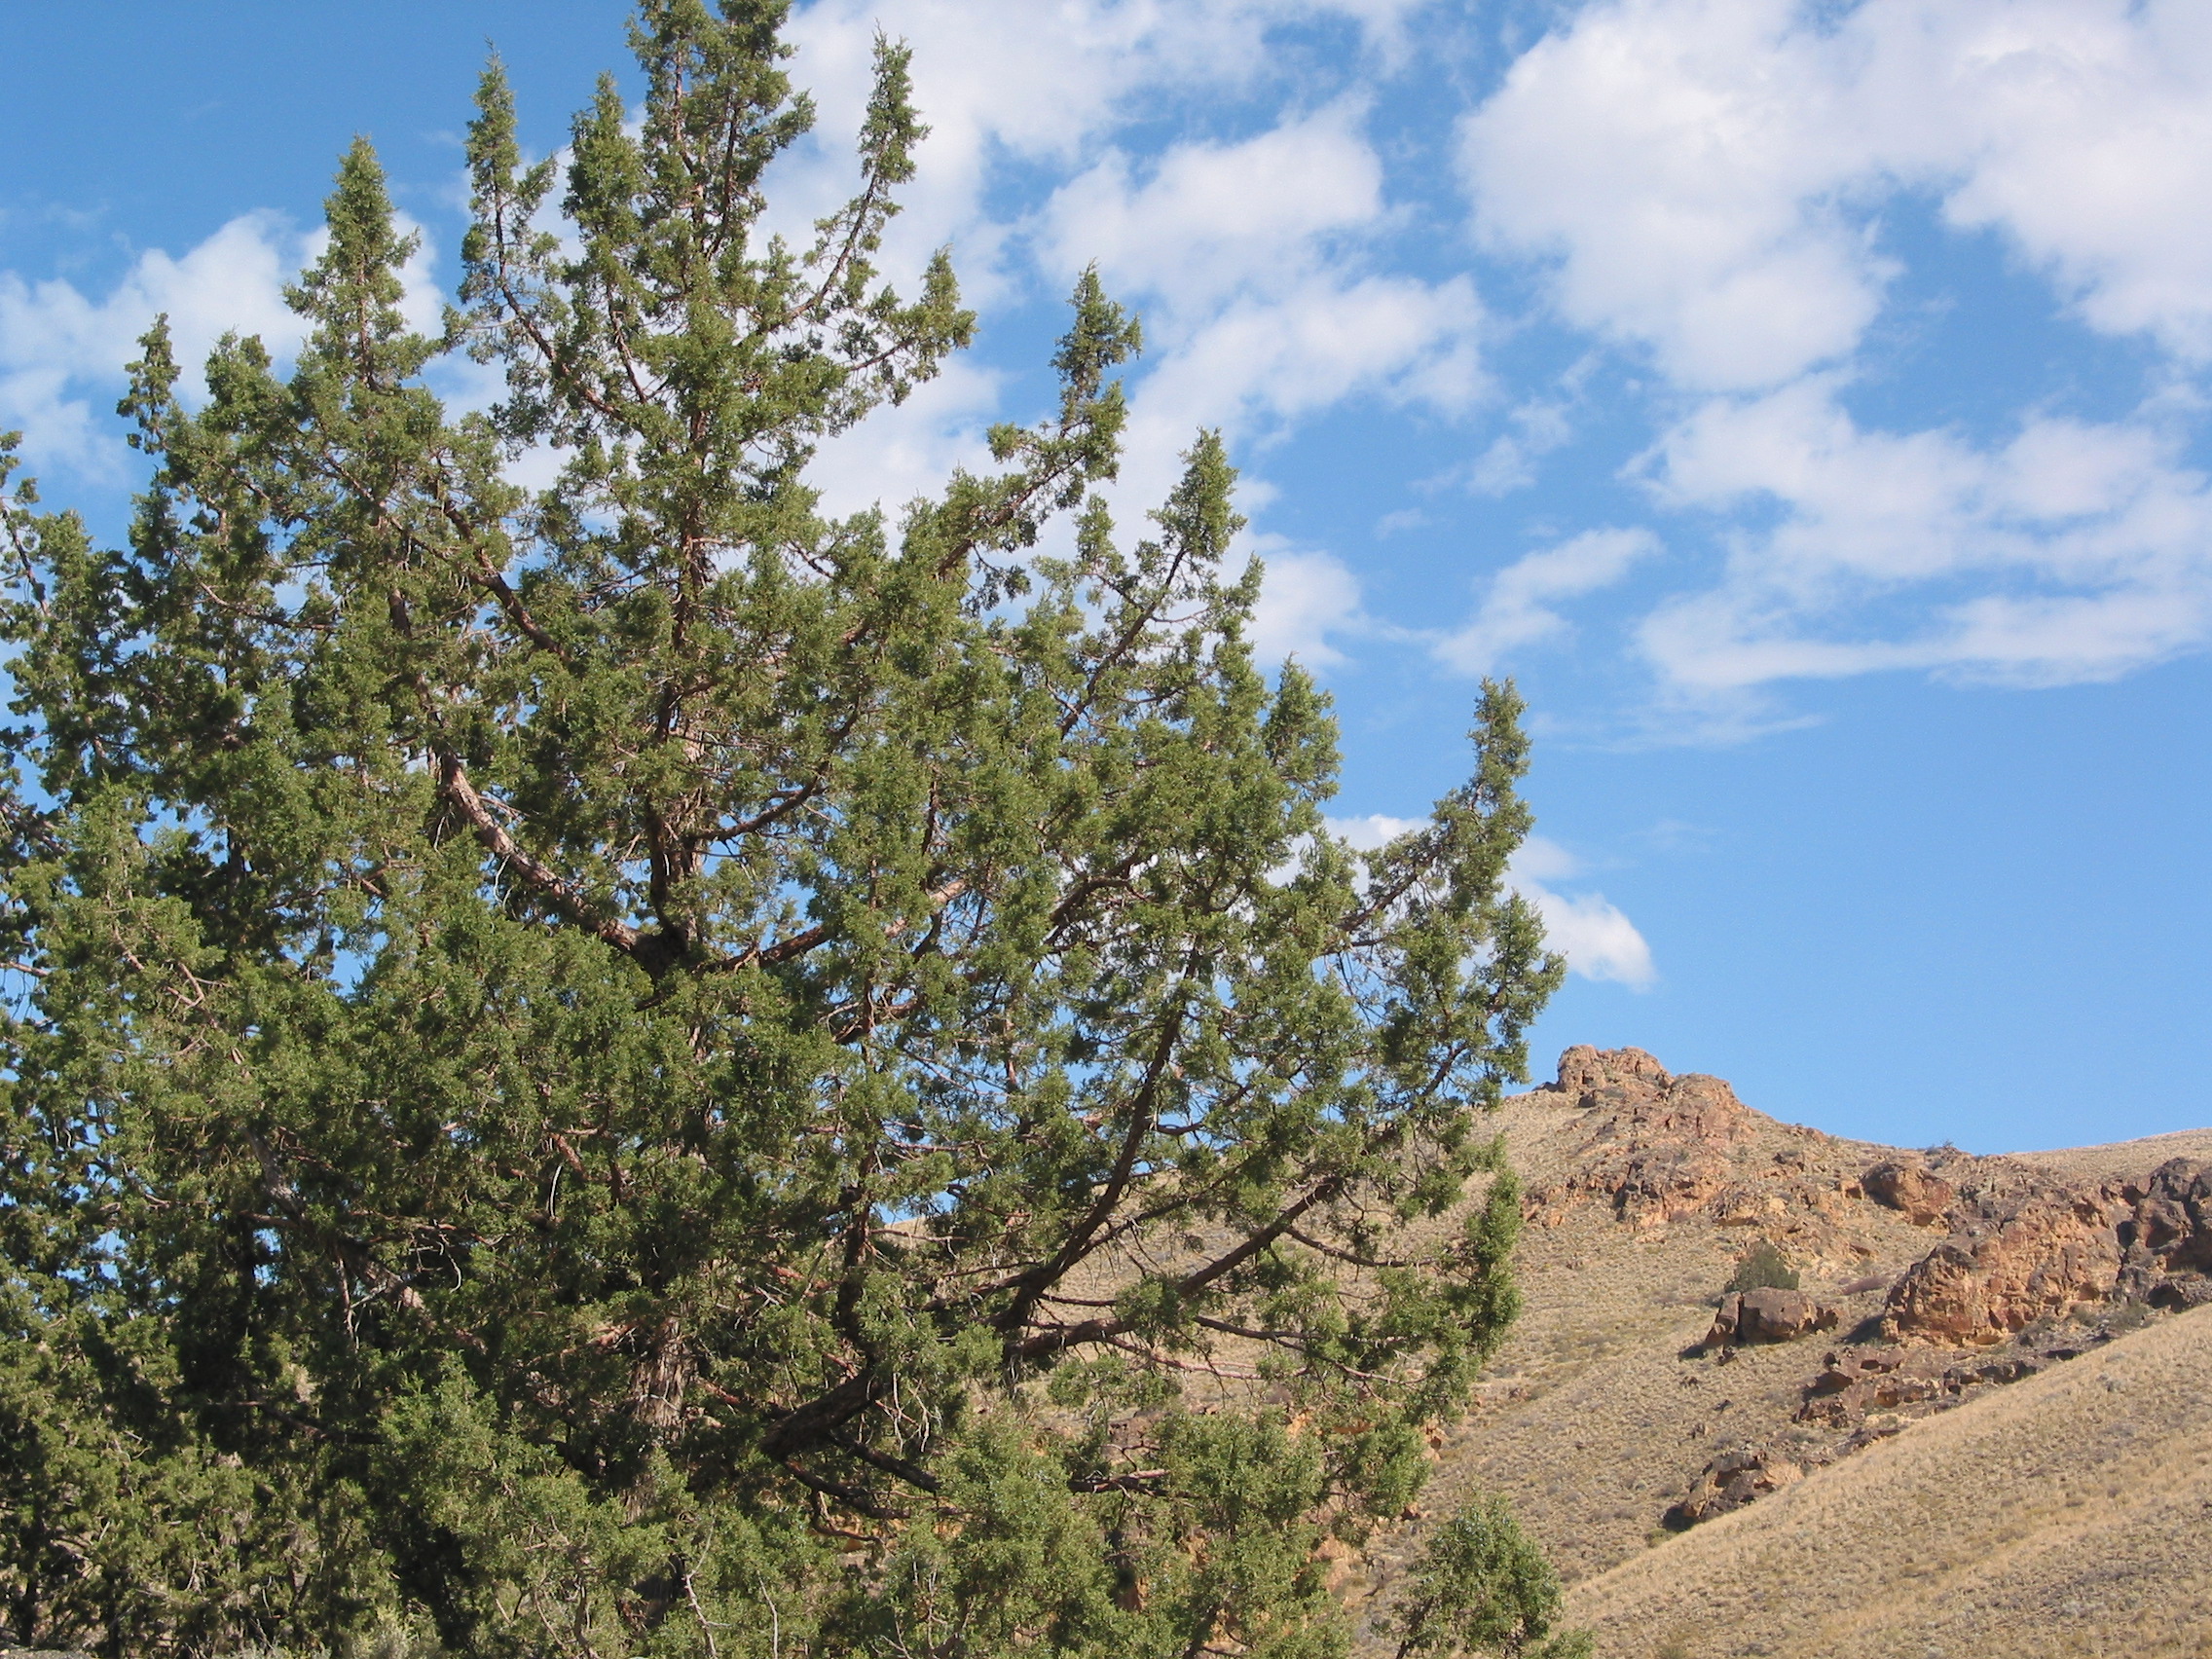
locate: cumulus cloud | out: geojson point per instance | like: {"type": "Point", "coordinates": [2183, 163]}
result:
{"type": "Point", "coordinates": [1705, 175]}
{"type": "Point", "coordinates": [1009, 80]}
{"type": "Point", "coordinates": [1706, 181]}
{"type": "Point", "coordinates": [1596, 939]}
{"type": "Point", "coordinates": [1252, 263]}
{"type": "Point", "coordinates": [1205, 220]}
{"type": "Point", "coordinates": [1252, 258]}
{"type": "Point", "coordinates": [57, 342]}
{"type": "Point", "coordinates": [1304, 599]}
{"type": "Point", "coordinates": [2075, 551]}
{"type": "Point", "coordinates": [1679, 162]}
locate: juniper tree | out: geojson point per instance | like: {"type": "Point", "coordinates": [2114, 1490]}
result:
{"type": "Point", "coordinates": [625, 1066]}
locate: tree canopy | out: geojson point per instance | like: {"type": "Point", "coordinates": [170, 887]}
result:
{"type": "Point", "coordinates": [600, 1062]}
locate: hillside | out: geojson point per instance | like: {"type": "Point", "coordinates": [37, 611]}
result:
{"type": "Point", "coordinates": [2063, 1516]}
{"type": "Point", "coordinates": [1945, 1286]}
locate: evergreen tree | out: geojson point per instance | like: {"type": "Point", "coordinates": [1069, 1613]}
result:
{"type": "Point", "coordinates": [629, 1068]}
{"type": "Point", "coordinates": [1483, 1588]}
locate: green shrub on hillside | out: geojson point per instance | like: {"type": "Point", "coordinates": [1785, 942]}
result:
{"type": "Point", "coordinates": [1763, 1267]}
{"type": "Point", "coordinates": [1483, 1588]}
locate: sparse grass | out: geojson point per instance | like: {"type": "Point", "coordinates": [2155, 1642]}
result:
{"type": "Point", "coordinates": [2128, 1316]}
{"type": "Point", "coordinates": [2057, 1510]}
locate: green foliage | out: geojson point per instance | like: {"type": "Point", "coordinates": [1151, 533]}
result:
{"type": "Point", "coordinates": [1763, 1267]}
{"type": "Point", "coordinates": [1482, 1587]}
{"type": "Point", "coordinates": [628, 1068]}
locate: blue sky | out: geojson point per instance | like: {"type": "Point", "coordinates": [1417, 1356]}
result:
{"type": "Point", "coordinates": [1806, 403]}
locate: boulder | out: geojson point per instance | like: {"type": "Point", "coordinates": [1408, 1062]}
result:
{"type": "Point", "coordinates": [1729, 1482]}
{"type": "Point", "coordinates": [1923, 1198]}
{"type": "Point", "coordinates": [1767, 1315]}
{"type": "Point", "coordinates": [1855, 1380]}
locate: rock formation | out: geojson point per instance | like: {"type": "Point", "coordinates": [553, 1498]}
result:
{"type": "Point", "coordinates": [1767, 1315]}
{"type": "Point", "coordinates": [1923, 1198]}
{"type": "Point", "coordinates": [1730, 1481]}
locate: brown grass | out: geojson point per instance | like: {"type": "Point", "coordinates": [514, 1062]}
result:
{"type": "Point", "coordinates": [2067, 1514]}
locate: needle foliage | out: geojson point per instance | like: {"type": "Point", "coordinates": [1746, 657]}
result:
{"type": "Point", "coordinates": [599, 1062]}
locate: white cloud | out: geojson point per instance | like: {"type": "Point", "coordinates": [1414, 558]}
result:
{"type": "Point", "coordinates": [1037, 84]}
{"type": "Point", "coordinates": [1678, 159]}
{"type": "Point", "coordinates": [55, 342]}
{"type": "Point", "coordinates": [1538, 427]}
{"type": "Point", "coordinates": [1520, 609]}
{"type": "Point", "coordinates": [1598, 941]}
{"type": "Point", "coordinates": [1369, 831]}
{"type": "Point", "coordinates": [2075, 551]}
{"type": "Point", "coordinates": [1250, 258]}
{"type": "Point", "coordinates": [1305, 598]}
{"type": "Point", "coordinates": [1250, 261]}
{"type": "Point", "coordinates": [2080, 128]}
{"type": "Point", "coordinates": [61, 351]}
{"type": "Point", "coordinates": [1207, 221]}
{"type": "Point", "coordinates": [1705, 180]}
{"type": "Point", "coordinates": [1704, 174]}
{"type": "Point", "coordinates": [900, 454]}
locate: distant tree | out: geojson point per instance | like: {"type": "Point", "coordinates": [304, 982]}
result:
{"type": "Point", "coordinates": [1482, 1587]}
{"type": "Point", "coordinates": [620, 1067]}
{"type": "Point", "coordinates": [1763, 1267]}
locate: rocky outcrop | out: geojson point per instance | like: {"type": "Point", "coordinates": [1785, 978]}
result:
{"type": "Point", "coordinates": [1767, 1315]}
{"type": "Point", "coordinates": [1923, 1198]}
{"type": "Point", "coordinates": [1855, 1380]}
{"type": "Point", "coordinates": [2166, 1239]}
{"type": "Point", "coordinates": [2050, 1250]}
{"type": "Point", "coordinates": [2047, 1257]}
{"type": "Point", "coordinates": [1658, 1145]}
{"type": "Point", "coordinates": [1730, 1481]}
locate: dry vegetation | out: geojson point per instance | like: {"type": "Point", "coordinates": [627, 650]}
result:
{"type": "Point", "coordinates": [2050, 1516]}
{"type": "Point", "coordinates": [2064, 1515]}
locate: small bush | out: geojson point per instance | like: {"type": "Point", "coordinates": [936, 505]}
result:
{"type": "Point", "coordinates": [1763, 1267]}
{"type": "Point", "coordinates": [1482, 1587]}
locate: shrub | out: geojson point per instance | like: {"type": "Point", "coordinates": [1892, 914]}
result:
{"type": "Point", "coordinates": [1762, 1267]}
{"type": "Point", "coordinates": [1482, 1587]}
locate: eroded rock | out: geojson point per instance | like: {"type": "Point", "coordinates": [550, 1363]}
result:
{"type": "Point", "coordinates": [1923, 1198]}
{"type": "Point", "coordinates": [2041, 1261]}
{"type": "Point", "coordinates": [1767, 1315]}
{"type": "Point", "coordinates": [1659, 1146]}
{"type": "Point", "coordinates": [1855, 1380]}
{"type": "Point", "coordinates": [1732, 1480]}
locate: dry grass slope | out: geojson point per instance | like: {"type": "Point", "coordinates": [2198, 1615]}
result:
{"type": "Point", "coordinates": [2067, 1514]}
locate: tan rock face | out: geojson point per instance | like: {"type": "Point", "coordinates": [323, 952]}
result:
{"type": "Point", "coordinates": [1923, 1198]}
{"type": "Point", "coordinates": [1659, 1144]}
{"type": "Point", "coordinates": [2040, 1262]}
{"type": "Point", "coordinates": [1767, 1315]}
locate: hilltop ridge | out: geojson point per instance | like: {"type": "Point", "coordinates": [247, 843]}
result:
{"type": "Point", "coordinates": [1628, 1408]}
